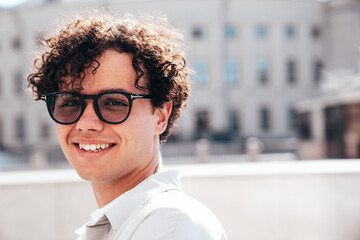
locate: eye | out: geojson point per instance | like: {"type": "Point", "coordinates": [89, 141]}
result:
{"type": "Point", "coordinates": [67, 102]}
{"type": "Point", "coordinates": [70, 103]}
{"type": "Point", "coordinates": [115, 103]}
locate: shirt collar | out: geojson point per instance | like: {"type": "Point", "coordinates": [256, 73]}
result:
{"type": "Point", "coordinates": [118, 210]}
{"type": "Point", "coordinates": [122, 207]}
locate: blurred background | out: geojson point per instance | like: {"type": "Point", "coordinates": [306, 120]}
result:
{"type": "Point", "coordinates": [270, 138]}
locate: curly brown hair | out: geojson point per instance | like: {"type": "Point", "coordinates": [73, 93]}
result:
{"type": "Point", "coordinates": [156, 49]}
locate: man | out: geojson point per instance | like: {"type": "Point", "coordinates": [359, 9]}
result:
{"type": "Point", "coordinates": [115, 87]}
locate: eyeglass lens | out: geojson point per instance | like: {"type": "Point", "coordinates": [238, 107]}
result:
{"type": "Point", "coordinates": [67, 107]}
{"type": "Point", "coordinates": [113, 107]}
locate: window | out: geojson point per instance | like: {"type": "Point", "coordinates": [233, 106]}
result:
{"type": "Point", "coordinates": [316, 32]}
{"type": "Point", "coordinates": [292, 118]}
{"type": "Point", "coordinates": [262, 69]}
{"type": "Point", "coordinates": [231, 73]}
{"type": "Point", "coordinates": [291, 71]}
{"type": "Point", "coordinates": [230, 31]}
{"type": "Point", "coordinates": [202, 124]}
{"type": "Point", "coordinates": [265, 119]}
{"type": "Point", "coordinates": [317, 71]}
{"type": "Point", "coordinates": [336, 119]}
{"type": "Point", "coordinates": [44, 131]}
{"type": "Point", "coordinates": [233, 122]}
{"type": "Point", "coordinates": [260, 32]}
{"type": "Point", "coordinates": [198, 32]}
{"type": "Point", "coordinates": [289, 31]}
{"type": "Point", "coordinates": [16, 43]}
{"type": "Point", "coordinates": [19, 80]}
{"type": "Point", "coordinates": [20, 129]}
{"type": "Point", "coordinates": [303, 124]}
{"type": "Point", "coordinates": [200, 69]}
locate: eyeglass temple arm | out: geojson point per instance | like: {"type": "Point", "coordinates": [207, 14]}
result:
{"type": "Point", "coordinates": [140, 96]}
{"type": "Point", "coordinates": [132, 97]}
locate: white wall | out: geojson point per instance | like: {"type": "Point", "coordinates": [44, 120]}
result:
{"type": "Point", "coordinates": [312, 200]}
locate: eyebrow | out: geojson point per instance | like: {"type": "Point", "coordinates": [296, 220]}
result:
{"type": "Point", "coordinates": [113, 89]}
{"type": "Point", "coordinates": [120, 90]}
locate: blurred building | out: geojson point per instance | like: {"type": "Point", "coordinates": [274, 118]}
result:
{"type": "Point", "coordinates": [329, 123]}
{"type": "Point", "coordinates": [253, 61]}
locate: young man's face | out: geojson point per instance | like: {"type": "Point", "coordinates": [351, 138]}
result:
{"type": "Point", "coordinates": [132, 151]}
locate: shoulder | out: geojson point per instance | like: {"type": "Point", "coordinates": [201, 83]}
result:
{"type": "Point", "coordinates": [174, 215]}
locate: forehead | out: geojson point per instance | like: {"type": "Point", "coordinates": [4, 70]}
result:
{"type": "Point", "coordinates": [114, 70]}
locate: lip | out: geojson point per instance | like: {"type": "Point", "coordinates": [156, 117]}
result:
{"type": "Point", "coordinates": [90, 141]}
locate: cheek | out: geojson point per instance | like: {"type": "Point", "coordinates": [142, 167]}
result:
{"type": "Point", "coordinates": [141, 117]}
{"type": "Point", "coordinates": [62, 132]}
{"type": "Point", "coordinates": [139, 128]}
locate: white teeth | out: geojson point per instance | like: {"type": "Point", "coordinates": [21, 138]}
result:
{"type": "Point", "coordinates": [94, 147]}
{"type": "Point", "coordinates": [104, 146]}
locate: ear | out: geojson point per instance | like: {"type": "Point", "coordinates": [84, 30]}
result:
{"type": "Point", "coordinates": [162, 117]}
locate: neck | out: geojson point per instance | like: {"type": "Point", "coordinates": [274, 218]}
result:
{"type": "Point", "coordinates": [105, 192]}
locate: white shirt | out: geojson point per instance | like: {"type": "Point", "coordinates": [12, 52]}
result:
{"type": "Point", "coordinates": [156, 209]}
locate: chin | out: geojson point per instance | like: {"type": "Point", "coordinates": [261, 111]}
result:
{"type": "Point", "coordinates": [84, 174]}
{"type": "Point", "coordinates": [93, 175]}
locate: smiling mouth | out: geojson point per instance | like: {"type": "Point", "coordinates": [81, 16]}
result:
{"type": "Point", "coordinates": [94, 147]}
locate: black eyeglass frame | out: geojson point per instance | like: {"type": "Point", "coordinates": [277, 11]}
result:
{"type": "Point", "coordinates": [95, 97]}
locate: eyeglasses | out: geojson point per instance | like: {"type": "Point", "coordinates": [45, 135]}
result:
{"type": "Point", "coordinates": [112, 107]}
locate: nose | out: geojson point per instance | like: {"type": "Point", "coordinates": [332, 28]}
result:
{"type": "Point", "coordinates": [89, 121]}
